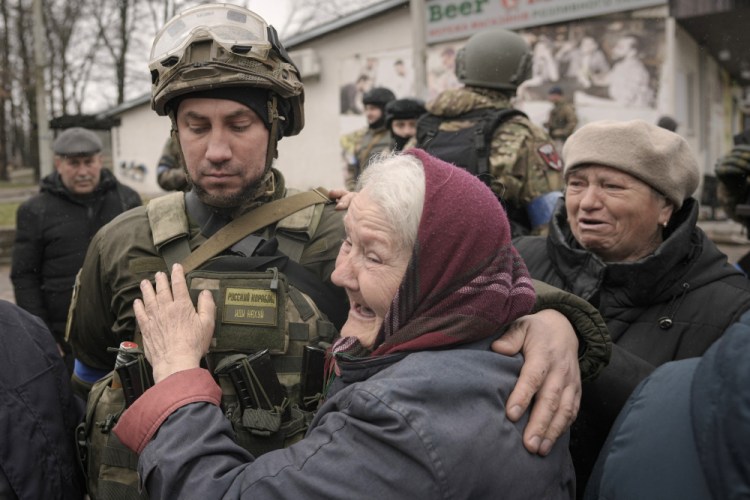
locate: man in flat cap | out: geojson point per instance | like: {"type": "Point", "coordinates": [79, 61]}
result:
{"type": "Point", "coordinates": [54, 227]}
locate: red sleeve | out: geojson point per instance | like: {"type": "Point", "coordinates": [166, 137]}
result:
{"type": "Point", "coordinates": [139, 423]}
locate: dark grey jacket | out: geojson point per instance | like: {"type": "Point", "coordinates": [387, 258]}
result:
{"type": "Point", "coordinates": [670, 305]}
{"type": "Point", "coordinates": [685, 430]}
{"type": "Point", "coordinates": [425, 425]}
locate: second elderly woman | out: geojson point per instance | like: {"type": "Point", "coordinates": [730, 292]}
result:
{"type": "Point", "coordinates": [625, 239]}
{"type": "Point", "coordinates": [413, 409]}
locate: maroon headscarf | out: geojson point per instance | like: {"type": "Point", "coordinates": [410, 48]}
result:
{"type": "Point", "coordinates": [465, 280]}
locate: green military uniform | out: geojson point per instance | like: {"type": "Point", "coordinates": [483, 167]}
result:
{"type": "Point", "coordinates": [123, 253]}
{"type": "Point", "coordinates": [523, 162]}
{"type": "Point", "coordinates": [361, 146]}
{"type": "Point", "coordinates": [562, 121]}
{"type": "Point", "coordinates": [170, 173]}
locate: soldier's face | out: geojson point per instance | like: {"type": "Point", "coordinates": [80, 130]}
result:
{"type": "Point", "coordinates": [224, 144]}
{"type": "Point", "coordinates": [372, 113]}
{"type": "Point", "coordinates": [614, 215]}
{"type": "Point", "coordinates": [79, 174]}
{"type": "Point", "coordinates": [404, 128]}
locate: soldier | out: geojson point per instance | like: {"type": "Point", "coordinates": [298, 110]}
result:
{"type": "Point", "coordinates": [229, 103]}
{"type": "Point", "coordinates": [170, 173]}
{"type": "Point", "coordinates": [401, 118]}
{"type": "Point", "coordinates": [363, 144]}
{"type": "Point", "coordinates": [562, 119]}
{"type": "Point", "coordinates": [515, 157]}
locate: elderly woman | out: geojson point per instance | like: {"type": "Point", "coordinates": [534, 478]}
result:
{"type": "Point", "coordinates": [625, 239]}
{"type": "Point", "coordinates": [412, 411]}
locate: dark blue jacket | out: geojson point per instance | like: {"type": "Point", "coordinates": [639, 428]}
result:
{"type": "Point", "coordinates": [685, 432]}
{"type": "Point", "coordinates": [426, 425]}
{"type": "Point", "coordinates": [38, 414]}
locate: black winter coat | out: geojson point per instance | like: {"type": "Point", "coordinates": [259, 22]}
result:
{"type": "Point", "coordinates": [39, 413]}
{"type": "Point", "coordinates": [670, 305]}
{"type": "Point", "coordinates": [53, 231]}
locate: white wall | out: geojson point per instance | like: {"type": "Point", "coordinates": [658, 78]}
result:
{"type": "Point", "coordinates": [313, 158]}
{"type": "Point", "coordinates": [136, 147]}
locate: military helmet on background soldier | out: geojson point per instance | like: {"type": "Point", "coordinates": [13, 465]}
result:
{"type": "Point", "coordinates": [403, 109]}
{"type": "Point", "coordinates": [222, 46]}
{"type": "Point", "coordinates": [378, 96]}
{"type": "Point", "coordinates": [495, 58]}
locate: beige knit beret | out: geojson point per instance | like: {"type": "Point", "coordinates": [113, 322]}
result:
{"type": "Point", "coordinates": [658, 157]}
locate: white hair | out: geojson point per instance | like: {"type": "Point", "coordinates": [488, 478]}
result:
{"type": "Point", "coordinates": [396, 182]}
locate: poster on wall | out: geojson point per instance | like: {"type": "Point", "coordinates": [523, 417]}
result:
{"type": "Point", "coordinates": [598, 62]}
{"type": "Point", "coordinates": [609, 67]}
{"type": "Point", "coordinates": [392, 69]}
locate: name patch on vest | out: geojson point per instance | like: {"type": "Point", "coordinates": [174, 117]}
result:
{"type": "Point", "coordinates": [250, 306]}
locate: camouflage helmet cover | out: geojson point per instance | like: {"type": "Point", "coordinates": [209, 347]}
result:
{"type": "Point", "coordinates": [496, 58]}
{"type": "Point", "coordinates": [220, 45]}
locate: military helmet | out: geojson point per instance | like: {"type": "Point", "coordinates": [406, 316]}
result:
{"type": "Point", "coordinates": [220, 45]}
{"type": "Point", "coordinates": [378, 96]}
{"type": "Point", "coordinates": [494, 58]}
{"type": "Point", "coordinates": [403, 109]}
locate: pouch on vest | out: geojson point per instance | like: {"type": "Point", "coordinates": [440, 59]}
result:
{"type": "Point", "coordinates": [109, 466]}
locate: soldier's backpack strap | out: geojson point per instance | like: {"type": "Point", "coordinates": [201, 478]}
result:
{"type": "Point", "coordinates": [484, 132]}
{"type": "Point", "coordinates": [248, 223]}
{"type": "Point", "coordinates": [452, 146]}
{"type": "Point", "coordinates": [169, 225]}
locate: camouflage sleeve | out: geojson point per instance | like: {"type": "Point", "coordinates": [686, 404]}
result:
{"type": "Point", "coordinates": [120, 255]}
{"type": "Point", "coordinates": [89, 329]}
{"type": "Point", "coordinates": [348, 144]}
{"type": "Point", "coordinates": [524, 163]}
{"type": "Point", "coordinates": [571, 120]}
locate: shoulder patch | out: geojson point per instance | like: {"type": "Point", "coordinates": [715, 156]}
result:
{"type": "Point", "coordinates": [550, 156]}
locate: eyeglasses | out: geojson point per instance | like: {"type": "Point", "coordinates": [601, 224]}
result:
{"type": "Point", "coordinates": [236, 29]}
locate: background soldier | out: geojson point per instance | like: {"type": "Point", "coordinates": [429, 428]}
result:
{"type": "Point", "coordinates": [517, 158]}
{"type": "Point", "coordinates": [562, 119]}
{"type": "Point", "coordinates": [363, 144]}
{"type": "Point", "coordinates": [170, 173]}
{"type": "Point", "coordinates": [401, 118]}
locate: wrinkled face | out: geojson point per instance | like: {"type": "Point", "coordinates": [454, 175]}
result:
{"type": "Point", "coordinates": [404, 128]}
{"type": "Point", "coordinates": [372, 113]}
{"type": "Point", "coordinates": [370, 267]}
{"type": "Point", "coordinates": [224, 144]}
{"type": "Point", "coordinates": [79, 174]}
{"type": "Point", "coordinates": [613, 214]}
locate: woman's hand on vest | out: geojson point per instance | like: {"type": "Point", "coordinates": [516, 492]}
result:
{"type": "Point", "coordinates": [176, 335]}
{"type": "Point", "coordinates": [342, 197]}
{"type": "Point", "coordinates": [550, 371]}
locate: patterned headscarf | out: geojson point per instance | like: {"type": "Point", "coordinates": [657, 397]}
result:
{"type": "Point", "coordinates": [465, 280]}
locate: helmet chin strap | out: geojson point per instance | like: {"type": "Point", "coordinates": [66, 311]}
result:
{"type": "Point", "coordinates": [273, 134]}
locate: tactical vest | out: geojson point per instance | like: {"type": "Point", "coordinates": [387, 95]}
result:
{"type": "Point", "coordinates": [267, 353]}
{"type": "Point", "coordinates": [469, 145]}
